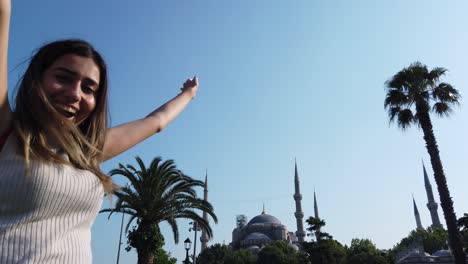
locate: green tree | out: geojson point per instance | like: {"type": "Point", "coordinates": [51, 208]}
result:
{"type": "Point", "coordinates": [163, 257]}
{"type": "Point", "coordinates": [155, 237]}
{"type": "Point", "coordinates": [412, 94]}
{"type": "Point", "coordinates": [158, 193]}
{"type": "Point", "coordinates": [214, 254]}
{"type": "Point", "coordinates": [315, 229]}
{"type": "Point", "coordinates": [433, 239]}
{"type": "Point", "coordinates": [463, 225]}
{"type": "Point", "coordinates": [322, 250]}
{"type": "Point", "coordinates": [363, 251]}
{"type": "Point", "coordinates": [241, 256]}
{"type": "Point", "coordinates": [326, 252]}
{"type": "Point", "coordinates": [280, 252]}
{"type": "Point", "coordinates": [221, 254]}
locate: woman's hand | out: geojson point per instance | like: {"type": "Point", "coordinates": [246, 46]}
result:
{"type": "Point", "coordinates": [190, 86]}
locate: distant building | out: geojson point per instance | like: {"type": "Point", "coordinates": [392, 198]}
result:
{"type": "Point", "coordinates": [264, 228]}
{"type": "Point", "coordinates": [414, 253]}
{"type": "Point", "coordinates": [431, 204]}
{"type": "Point", "coordinates": [260, 231]}
{"type": "Point", "coordinates": [443, 256]}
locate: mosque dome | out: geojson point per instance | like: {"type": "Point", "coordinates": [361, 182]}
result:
{"type": "Point", "coordinates": [256, 239]}
{"type": "Point", "coordinates": [257, 236]}
{"type": "Point", "coordinates": [264, 218]}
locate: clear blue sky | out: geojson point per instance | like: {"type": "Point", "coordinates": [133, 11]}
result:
{"type": "Point", "coordinates": [279, 80]}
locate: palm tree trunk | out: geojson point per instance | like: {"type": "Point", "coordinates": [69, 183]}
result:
{"type": "Point", "coordinates": [446, 202]}
{"type": "Point", "coordinates": [145, 258]}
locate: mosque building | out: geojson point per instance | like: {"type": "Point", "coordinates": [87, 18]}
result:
{"type": "Point", "coordinates": [265, 228]}
{"type": "Point", "coordinates": [414, 253]}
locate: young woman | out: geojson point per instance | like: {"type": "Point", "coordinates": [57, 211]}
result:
{"type": "Point", "coordinates": [51, 145]}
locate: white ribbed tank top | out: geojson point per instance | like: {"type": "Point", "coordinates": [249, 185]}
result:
{"type": "Point", "coordinates": [45, 217]}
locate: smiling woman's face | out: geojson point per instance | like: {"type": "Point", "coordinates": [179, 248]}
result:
{"type": "Point", "coordinates": [71, 83]}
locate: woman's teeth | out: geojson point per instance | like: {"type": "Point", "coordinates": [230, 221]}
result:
{"type": "Point", "coordinates": [67, 111]}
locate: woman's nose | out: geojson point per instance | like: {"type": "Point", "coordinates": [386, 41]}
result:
{"type": "Point", "coordinates": [74, 91]}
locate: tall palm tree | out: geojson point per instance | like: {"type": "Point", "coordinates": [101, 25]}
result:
{"type": "Point", "coordinates": [315, 226]}
{"type": "Point", "coordinates": [158, 193]}
{"type": "Point", "coordinates": [412, 94]}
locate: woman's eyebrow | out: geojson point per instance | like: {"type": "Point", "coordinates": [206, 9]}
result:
{"type": "Point", "coordinates": [68, 71]}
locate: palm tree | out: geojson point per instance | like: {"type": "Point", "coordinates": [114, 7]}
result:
{"type": "Point", "coordinates": [412, 94]}
{"type": "Point", "coordinates": [158, 193]}
{"type": "Point", "coordinates": [315, 229]}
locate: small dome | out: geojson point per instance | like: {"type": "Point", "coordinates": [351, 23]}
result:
{"type": "Point", "coordinates": [253, 249]}
{"type": "Point", "coordinates": [414, 254]}
{"type": "Point", "coordinates": [443, 253]}
{"type": "Point", "coordinates": [264, 219]}
{"type": "Point", "coordinates": [257, 236]}
{"type": "Point", "coordinates": [294, 246]}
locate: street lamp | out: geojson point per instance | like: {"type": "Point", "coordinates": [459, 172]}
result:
{"type": "Point", "coordinates": [196, 227]}
{"type": "Point", "coordinates": [120, 238]}
{"type": "Point", "coordinates": [121, 228]}
{"type": "Point", "coordinates": [187, 244]}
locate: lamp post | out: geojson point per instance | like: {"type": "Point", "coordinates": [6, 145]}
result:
{"type": "Point", "coordinates": [195, 228]}
{"type": "Point", "coordinates": [187, 244]}
{"type": "Point", "coordinates": [120, 238]}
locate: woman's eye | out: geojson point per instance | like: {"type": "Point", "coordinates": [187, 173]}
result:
{"type": "Point", "coordinates": [63, 78]}
{"type": "Point", "coordinates": [88, 90]}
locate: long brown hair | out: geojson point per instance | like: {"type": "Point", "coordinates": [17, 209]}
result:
{"type": "Point", "coordinates": [36, 121]}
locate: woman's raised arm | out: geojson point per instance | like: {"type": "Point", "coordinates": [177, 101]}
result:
{"type": "Point", "coordinates": [5, 110]}
{"type": "Point", "coordinates": [120, 138]}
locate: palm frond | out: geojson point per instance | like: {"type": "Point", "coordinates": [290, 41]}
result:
{"type": "Point", "coordinates": [405, 118]}
{"type": "Point", "coordinates": [120, 210]}
{"type": "Point", "coordinates": [442, 109]}
{"type": "Point", "coordinates": [444, 92]}
{"type": "Point", "coordinates": [396, 97]}
{"type": "Point", "coordinates": [130, 175]}
{"type": "Point", "coordinates": [159, 193]}
{"type": "Point", "coordinates": [168, 165]}
{"type": "Point", "coordinates": [393, 112]}
{"type": "Point", "coordinates": [175, 228]}
{"type": "Point", "coordinates": [128, 196]}
{"type": "Point", "coordinates": [142, 165]}
{"type": "Point", "coordinates": [129, 222]}
{"type": "Point", "coordinates": [415, 91]}
{"type": "Point", "coordinates": [434, 75]}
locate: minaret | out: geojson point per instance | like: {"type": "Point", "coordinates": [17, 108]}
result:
{"type": "Point", "coordinates": [416, 215]}
{"type": "Point", "coordinates": [299, 214]}
{"type": "Point", "coordinates": [204, 237]}
{"type": "Point", "coordinates": [431, 204]}
{"type": "Point", "coordinates": [316, 214]}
